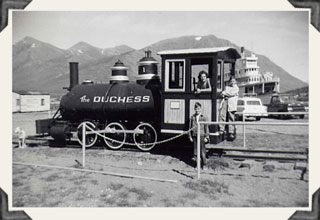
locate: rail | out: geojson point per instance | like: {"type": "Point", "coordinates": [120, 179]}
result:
{"type": "Point", "coordinates": [268, 113]}
{"type": "Point", "coordinates": [243, 123]}
{"type": "Point", "coordinates": [85, 127]}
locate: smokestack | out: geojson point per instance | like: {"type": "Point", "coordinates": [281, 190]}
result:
{"type": "Point", "coordinates": [74, 75]}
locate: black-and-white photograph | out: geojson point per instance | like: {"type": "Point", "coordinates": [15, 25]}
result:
{"type": "Point", "coordinates": [160, 109]}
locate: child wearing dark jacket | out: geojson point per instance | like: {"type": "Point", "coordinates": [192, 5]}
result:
{"type": "Point", "coordinates": [204, 134]}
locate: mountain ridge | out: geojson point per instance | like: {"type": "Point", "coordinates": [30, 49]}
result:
{"type": "Point", "coordinates": [36, 64]}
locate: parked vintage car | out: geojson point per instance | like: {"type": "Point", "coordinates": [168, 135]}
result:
{"type": "Point", "coordinates": [287, 103]}
{"type": "Point", "coordinates": [252, 108]}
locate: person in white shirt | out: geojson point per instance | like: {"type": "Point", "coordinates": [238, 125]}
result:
{"type": "Point", "coordinates": [21, 137]}
{"type": "Point", "coordinates": [228, 107]}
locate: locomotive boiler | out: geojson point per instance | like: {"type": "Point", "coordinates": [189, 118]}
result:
{"type": "Point", "coordinates": [119, 105]}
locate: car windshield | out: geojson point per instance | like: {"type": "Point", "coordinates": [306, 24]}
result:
{"type": "Point", "coordinates": [287, 98]}
{"type": "Point", "coordinates": [253, 102]}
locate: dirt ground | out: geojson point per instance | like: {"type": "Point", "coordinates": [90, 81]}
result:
{"type": "Point", "coordinates": [227, 182]}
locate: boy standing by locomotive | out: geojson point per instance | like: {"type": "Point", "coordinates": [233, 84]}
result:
{"type": "Point", "coordinates": [204, 134]}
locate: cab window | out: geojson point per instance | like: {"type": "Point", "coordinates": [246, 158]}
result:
{"type": "Point", "coordinates": [195, 70]}
{"type": "Point", "coordinates": [224, 71]}
{"type": "Point", "coordinates": [175, 75]}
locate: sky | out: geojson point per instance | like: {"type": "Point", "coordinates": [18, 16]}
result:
{"type": "Point", "coordinates": [280, 35]}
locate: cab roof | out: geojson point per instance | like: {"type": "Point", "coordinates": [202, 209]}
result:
{"type": "Point", "coordinates": [200, 51]}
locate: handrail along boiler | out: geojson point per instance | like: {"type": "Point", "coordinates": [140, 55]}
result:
{"type": "Point", "coordinates": [148, 109]}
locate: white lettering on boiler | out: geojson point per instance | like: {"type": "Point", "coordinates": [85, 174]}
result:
{"type": "Point", "coordinates": [121, 99]}
{"type": "Point", "coordinates": [84, 99]}
{"type": "Point", "coordinates": [96, 99]}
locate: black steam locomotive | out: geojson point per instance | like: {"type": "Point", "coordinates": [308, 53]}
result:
{"type": "Point", "coordinates": [147, 110]}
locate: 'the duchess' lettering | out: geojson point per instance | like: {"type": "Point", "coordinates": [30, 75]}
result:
{"type": "Point", "coordinates": [121, 99]}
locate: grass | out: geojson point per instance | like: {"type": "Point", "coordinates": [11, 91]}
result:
{"type": "Point", "coordinates": [18, 203]}
{"type": "Point", "coordinates": [215, 164]}
{"type": "Point", "coordinates": [53, 204]}
{"type": "Point", "coordinates": [51, 178]}
{"type": "Point", "coordinates": [16, 183]}
{"type": "Point", "coordinates": [36, 199]}
{"type": "Point", "coordinates": [94, 182]}
{"type": "Point", "coordinates": [277, 141]}
{"type": "Point", "coordinates": [302, 204]}
{"type": "Point", "coordinates": [116, 195]}
{"type": "Point", "coordinates": [124, 203]}
{"type": "Point", "coordinates": [260, 203]}
{"type": "Point", "coordinates": [123, 195]}
{"type": "Point", "coordinates": [80, 179]}
{"type": "Point", "coordinates": [207, 187]}
{"type": "Point", "coordinates": [115, 186]}
{"type": "Point", "coordinates": [36, 186]}
{"type": "Point", "coordinates": [168, 203]}
{"type": "Point", "coordinates": [189, 195]}
{"type": "Point", "coordinates": [141, 194]}
{"type": "Point", "coordinates": [270, 141]}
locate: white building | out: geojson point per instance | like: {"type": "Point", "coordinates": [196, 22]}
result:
{"type": "Point", "coordinates": [250, 80]}
{"type": "Point", "coordinates": [30, 101]}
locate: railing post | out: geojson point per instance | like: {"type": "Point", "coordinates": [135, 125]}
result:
{"type": "Point", "coordinates": [84, 144]}
{"type": "Point", "coordinates": [198, 149]}
{"type": "Point", "coordinates": [244, 130]}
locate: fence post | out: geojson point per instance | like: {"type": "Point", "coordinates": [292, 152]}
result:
{"type": "Point", "coordinates": [244, 130]}
{"type": "Point", "coordinates": [84, 144]}
{"type": "Point", "coordinates": [198, 149]}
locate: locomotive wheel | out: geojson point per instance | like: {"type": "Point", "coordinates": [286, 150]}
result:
{"type": "Point", "coordinates": [148, 139]}
{"type": "Point", "coordinates": [119, 137]}
{"type": "Point", "coordinates": [90, 138]}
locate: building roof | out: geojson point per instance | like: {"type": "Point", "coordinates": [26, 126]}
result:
{"type": "Point", "coordinates": [199, 50]}
{"type": "Point", "coordinates": [30, 93]}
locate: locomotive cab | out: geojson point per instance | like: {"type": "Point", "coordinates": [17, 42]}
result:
{"type": "Point", "coordinates": [180, 71]}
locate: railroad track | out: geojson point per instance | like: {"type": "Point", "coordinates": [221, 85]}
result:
{"type": "Point", "coordinates": [260, 154]}
{"type": "Point", "coordinates": [213, 150]}
{"type": "Point", "coordinates": [299, 158]}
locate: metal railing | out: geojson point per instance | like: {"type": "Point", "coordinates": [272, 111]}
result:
{"type": "Point", "coordinates": [85, 127]}
{"type": "Point", "coordinates": [243, 123]}
{"type": "Point", "coordinates": [268, 114]}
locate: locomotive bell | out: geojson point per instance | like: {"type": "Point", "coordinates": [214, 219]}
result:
{"type": "Point", "coordinates": [148, 68]}
{"type": "Point", "coordinates": [119, 73]}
